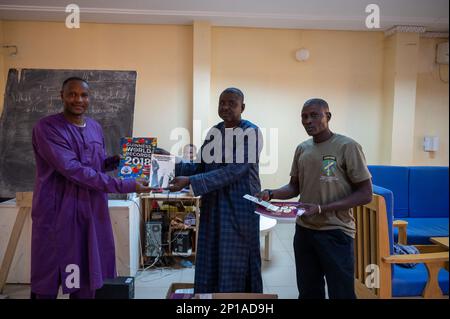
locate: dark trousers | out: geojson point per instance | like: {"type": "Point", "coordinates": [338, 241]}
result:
{"type": "Point", "coordinates": [324, 253]}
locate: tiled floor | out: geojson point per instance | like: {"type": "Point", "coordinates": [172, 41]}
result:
{"type": "Point", "coordinates": [278, 273]}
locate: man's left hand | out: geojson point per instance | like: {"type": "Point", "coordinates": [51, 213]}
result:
{"type": "Point", "coordinates": [310, 209]}
{"type": "Point", "coordinates": [178, 183]}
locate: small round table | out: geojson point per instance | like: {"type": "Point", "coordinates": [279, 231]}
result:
{"type": "Point", "coordinates": [265, 229]}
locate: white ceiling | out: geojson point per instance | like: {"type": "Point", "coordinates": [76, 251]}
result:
{"type": "Point", "coordinates": [296, 14]}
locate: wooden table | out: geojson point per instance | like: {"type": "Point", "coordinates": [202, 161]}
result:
{"type": "Point", "coordinates": [265, 229]}
{"type": "Point", "coordinates": [441, 241]}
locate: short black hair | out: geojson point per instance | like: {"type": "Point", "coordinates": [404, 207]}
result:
{"type": "Point", "coordinates": [316, 101]}
{"type": "Point", "coordinates": [73, 78]}
{"type": "Point", "coordinates": [235, 91]}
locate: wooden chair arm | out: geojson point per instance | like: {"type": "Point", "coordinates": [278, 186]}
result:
{"type": "Point", "coordinates": [433, 261]}
{"type": "Point", "coordinates": [402, 234]}
{"type": "Point", "coordinates": [417, 258]}
{"type": "Point", "coordinates": [426, 249]}
{"type": "Point", "coordinates": [399, 223]}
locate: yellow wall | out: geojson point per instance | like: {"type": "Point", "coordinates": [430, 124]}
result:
{"type": "Point", "coordinates": [401, 95]}
{"type": "Point", "coordinates": [2, 77]}
{"type": "Point", "coordinates": [344, 68]}
{"type": "Point", "coordinates": [388, 98]}
{"type": "Point", "coordinates": [351, 70]}
{"type": "Point", "coordinates": [201, 76]}
{"type": "Point", "coordinates": [161, 55]}
{"type": "Point", "coordinates": [432, 110]}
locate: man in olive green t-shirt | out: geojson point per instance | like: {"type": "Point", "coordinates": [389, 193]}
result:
{"type": "Point", "coordinates": [330, 174]}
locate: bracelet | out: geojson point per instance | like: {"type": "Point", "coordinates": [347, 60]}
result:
{"type": "Point", "coordinates": [320, 209]}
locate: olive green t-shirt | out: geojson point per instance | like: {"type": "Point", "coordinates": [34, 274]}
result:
{"type": "Point", "coordinates": [326, 172]}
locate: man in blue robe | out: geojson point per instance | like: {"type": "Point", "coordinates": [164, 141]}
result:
{"type": "Point", "coordinates": [228, 254]}
{"type": "Point", "coordinates": [72, 241]}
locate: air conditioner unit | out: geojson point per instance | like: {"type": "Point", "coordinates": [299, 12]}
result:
{"type": "Point", "coordinates": [442, 53]}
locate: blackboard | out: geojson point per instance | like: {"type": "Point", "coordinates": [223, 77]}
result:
{"type": "Point", "coordinates": [34, 93]}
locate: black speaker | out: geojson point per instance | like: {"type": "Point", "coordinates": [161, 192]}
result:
{"type": "Point", "coordinates": [117, 288]}
{"type": "Point", "coordinates": [181, 243]}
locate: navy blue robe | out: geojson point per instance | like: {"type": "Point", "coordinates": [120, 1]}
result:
{"type": "Point", "coordinates": [228, 254]}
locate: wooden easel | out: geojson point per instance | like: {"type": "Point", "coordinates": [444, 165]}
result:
{"type": "Point", "coordinates": [24, 202]}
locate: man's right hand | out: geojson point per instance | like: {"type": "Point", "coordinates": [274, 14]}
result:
{"type": "Point", "coordinates": [263, 195]}
{"type": "Point", "coordinates": [142, 187]}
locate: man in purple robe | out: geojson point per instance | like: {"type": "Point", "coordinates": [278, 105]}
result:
{"type": "Point", "coordinates": [72, 239]}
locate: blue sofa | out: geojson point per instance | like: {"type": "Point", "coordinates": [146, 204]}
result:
{"type": "Point", "coordinates": [420, 197]}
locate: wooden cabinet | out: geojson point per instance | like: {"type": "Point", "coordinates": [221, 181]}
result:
{"type": "Point", "coordinates": [170, 226]}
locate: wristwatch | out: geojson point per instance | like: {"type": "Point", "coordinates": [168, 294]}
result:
{"type": "Point", "coordinates": [270, 193]}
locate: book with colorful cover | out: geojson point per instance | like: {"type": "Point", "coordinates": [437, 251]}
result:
{"type": "Point", "coordinates": [288, 211]}
{"type": "Point", "coordinates": [136, 157]}
{"type": "Point", "coordinates": [162, 171]}
{"type": "Point", "coordinates": [277, 210]}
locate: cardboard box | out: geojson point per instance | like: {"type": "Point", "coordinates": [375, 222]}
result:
{"type": "Point", "coordinates": [179, 285]}
{"type": "Point", "coordinates": [237, 295]}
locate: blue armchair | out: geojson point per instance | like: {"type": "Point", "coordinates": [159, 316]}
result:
{"type": "Point", "coordinates": [377, 270]}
